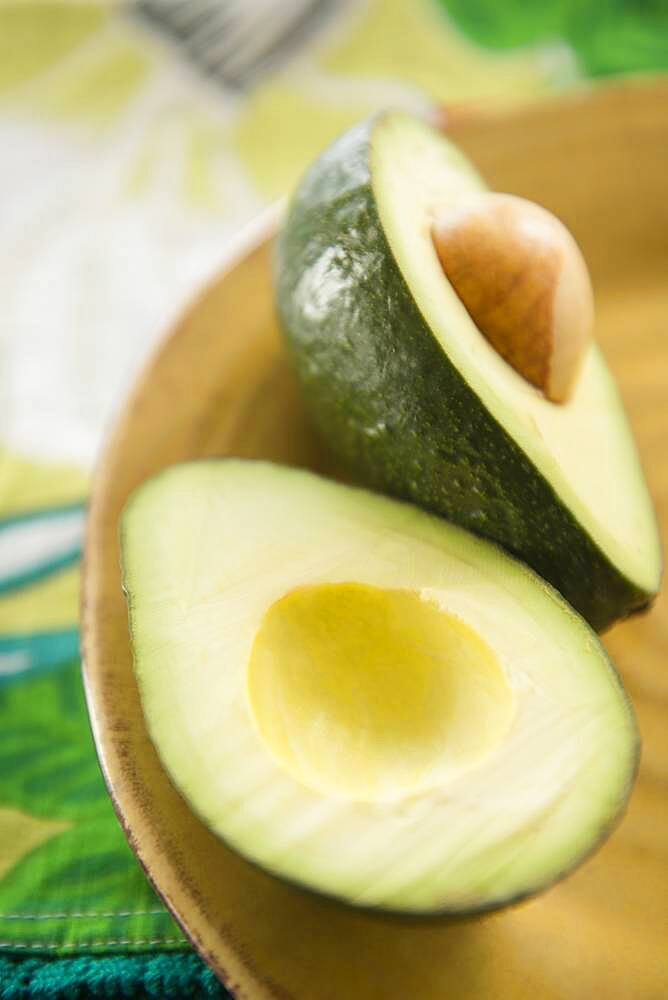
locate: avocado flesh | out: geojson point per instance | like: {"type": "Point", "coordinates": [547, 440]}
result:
{"type": "Point", "coordinates": [410, 394]}
{"type": "Point", "coordinates": [364, 699]}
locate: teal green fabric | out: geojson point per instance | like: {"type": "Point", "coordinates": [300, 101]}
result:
{"type": "Point", "coordinates": [113, 977]}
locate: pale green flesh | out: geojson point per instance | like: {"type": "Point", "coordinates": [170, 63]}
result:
{"type": "Point", "coordinates": [208, 547]}
{"type": "Point", "coordinates": [584, 447]}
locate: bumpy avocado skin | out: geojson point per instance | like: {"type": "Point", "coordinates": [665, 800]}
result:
{"type": "Point", "coordinates": [391, 405]}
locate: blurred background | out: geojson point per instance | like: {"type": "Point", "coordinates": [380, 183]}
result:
{"type": "Point", "coordinates": [137, 142]}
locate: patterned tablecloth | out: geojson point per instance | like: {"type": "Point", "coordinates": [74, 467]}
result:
{"type": "Point", "coordinates": [124, 176]}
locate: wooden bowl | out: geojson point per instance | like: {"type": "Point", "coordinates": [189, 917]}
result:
{"type": "Point", "coordinates": [220, 385]}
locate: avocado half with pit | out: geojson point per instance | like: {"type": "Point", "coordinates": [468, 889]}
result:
{"type": "Point", "coordinates": [406, 389]}
{"type": "Point", "coordinates": [363, 698]}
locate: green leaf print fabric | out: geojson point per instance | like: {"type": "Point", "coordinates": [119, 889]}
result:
{"type": "Point", "coordinates": [126, 178]}
{"type": "Point", "coordinates": [79, 871]}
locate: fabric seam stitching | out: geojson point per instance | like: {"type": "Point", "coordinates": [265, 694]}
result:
{"type": "Point", "coordinates": [76, 916]}
{"type": "Point", "coordinates": [91, 944]}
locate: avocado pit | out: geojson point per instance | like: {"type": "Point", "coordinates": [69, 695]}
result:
{"type": "Point", "coordinates": [523, 280]}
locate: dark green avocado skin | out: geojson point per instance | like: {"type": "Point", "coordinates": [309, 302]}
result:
{"type": "Point", "coordinates": [392, 406]}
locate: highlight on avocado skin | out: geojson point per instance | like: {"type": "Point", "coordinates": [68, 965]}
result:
{"type": "Point", "coordinates": [364, 699]}
{"type": "Point", "coordinates": [421, 403]}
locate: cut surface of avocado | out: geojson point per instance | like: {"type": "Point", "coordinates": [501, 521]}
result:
{"type": "Point", "coordinates": [410, 393]}
{"type": "Point", "coordinates": [364, 699]}
{"type": "Point", "coordinates": [448, 706]}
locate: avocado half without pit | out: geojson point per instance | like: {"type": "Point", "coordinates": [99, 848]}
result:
{"type": "Point", "coordinates": [363, 698]}
{"type": "Point", "coordinates": [442, 337]}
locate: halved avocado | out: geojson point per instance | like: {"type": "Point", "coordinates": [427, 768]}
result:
{"type": "Point", "coordinates": [410, 394]}
{"type": "Point", "coordinates": [365, 699]}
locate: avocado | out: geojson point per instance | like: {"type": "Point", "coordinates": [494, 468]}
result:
{"type": "Point", "coordinates": [364, 699]}
{"type": "Point", "coordinates": [409, 393]}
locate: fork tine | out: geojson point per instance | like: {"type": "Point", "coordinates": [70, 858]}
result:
{"type": "Point", "coordinates": [234, 40]}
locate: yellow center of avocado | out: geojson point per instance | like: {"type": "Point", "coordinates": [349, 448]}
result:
{"type": "Point", "coordinates": [373, 694]}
